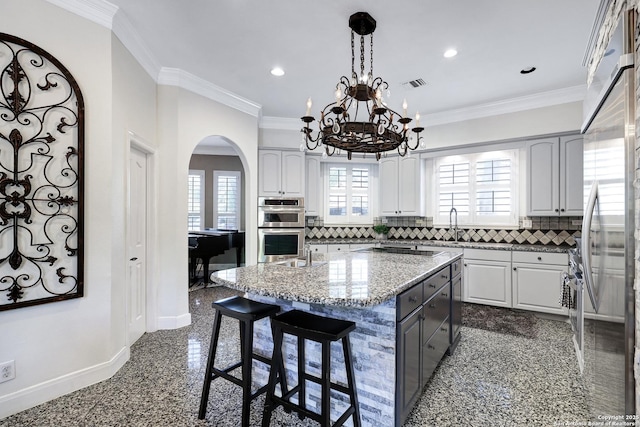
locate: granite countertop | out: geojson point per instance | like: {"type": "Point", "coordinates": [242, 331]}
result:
{"type": "Point", "coordinates": [444, 243]}
{"type": "Point", "coordinates": [349, 279]}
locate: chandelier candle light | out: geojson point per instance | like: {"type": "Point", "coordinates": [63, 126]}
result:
{"type": "Point", "coordinates": [359, 121]}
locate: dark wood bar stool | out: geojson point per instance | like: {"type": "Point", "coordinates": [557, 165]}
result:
{"type": "Point", "coordinates": [247, 312]}
{"type": "Point", "coordinates": [324, 330]}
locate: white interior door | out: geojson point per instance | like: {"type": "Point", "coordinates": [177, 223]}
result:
{"type": "Point", "coordinates": [137, 245]}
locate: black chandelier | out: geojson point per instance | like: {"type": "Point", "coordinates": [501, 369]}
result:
{"type": "Point", "coordinates": [359, 121]}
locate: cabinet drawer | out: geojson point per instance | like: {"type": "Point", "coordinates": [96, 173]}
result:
{"type": "Point", "coordinates": [435, 311]}
{"type": "Point", "coordinates": [456, 268]}
{"type": "Point", "coordinates": [540, 258]}
{"type": "Point", "coordinates": [339, 247]}
{"type": "Point", "coordinates": [318, 248]}
{"type": "Point", "coordinates": [435, 282]}
{"type": "Point", "coordinates": [408, 301]}
{"type": "Point", "coordinates": [487, 254]}
{"type": "Point", "coordinates": [434, 349]}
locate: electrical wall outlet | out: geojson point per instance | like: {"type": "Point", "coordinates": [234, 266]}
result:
{"type": "Point", "coordinates": [7, 371]}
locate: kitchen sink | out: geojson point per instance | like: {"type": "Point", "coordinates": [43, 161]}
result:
{"type": "Point", "coordinates": [299, 263]}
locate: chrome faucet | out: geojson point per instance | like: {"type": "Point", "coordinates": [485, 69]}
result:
{"type": "Point", "coordinates": [307, 252]}
{"type": "Point", "coordinates": [455, 228]}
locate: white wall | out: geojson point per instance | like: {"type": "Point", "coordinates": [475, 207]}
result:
{"type": "Point", "coordinates": [539, 121]}
{"type": "Point", "coordinates": [134, 111]}
{"type": "Point", "coordinates": [185, 119]}
{"type": "Point", "coordinates": [72, 338]}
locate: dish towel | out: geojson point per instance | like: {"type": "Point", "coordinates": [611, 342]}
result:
{"type": "Point", "coordinates": [566, 296]}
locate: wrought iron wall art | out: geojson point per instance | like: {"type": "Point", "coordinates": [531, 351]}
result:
{"type": "Point", "coordinates": [41, 177]}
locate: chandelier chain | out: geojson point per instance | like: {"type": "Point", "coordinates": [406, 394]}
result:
{"type": "Point", "coordinates": [371, 63]}
{"type": "Point", "coordinates": [362, 56]}
{"type": "Point", "coordinates": [353, 57]}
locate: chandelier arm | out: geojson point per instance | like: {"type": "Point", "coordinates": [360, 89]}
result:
{"type": "Point", "coordinates": [402, 149]}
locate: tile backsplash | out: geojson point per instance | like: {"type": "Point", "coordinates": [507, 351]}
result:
{"type": "Point", "coordinates": [543, 231]}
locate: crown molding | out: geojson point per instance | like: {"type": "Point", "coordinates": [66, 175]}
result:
{"type": "Point", "coordinates": [185, 80]}
{"type": "Point", "coordinates": [126, 32]}
{"type": "Point", "coordinates": [523, 103]}
{"type": "Point", "coordinates": [99, 11]}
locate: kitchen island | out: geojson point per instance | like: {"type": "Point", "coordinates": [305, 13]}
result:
{"type": "Point", "coordinates": [401, 304]}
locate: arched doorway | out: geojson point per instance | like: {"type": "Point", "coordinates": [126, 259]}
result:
{"type": "Point", "coordinates": [217, 187]}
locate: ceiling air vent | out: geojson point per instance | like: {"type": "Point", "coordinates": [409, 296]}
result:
{"type": "Point", "coordinates": [415, 83]}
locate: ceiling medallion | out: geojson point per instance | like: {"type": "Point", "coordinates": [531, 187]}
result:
{"type": "Point", "coordinates": [359, 121]}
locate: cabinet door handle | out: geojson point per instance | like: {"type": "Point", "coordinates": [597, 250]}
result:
{"type": "Point", "coordinates": [430, 347]}
{"type": "Point", "coordinates": [465, 265]}
{"type": "Point", "coordinates": [431, 285]}
{"type": "Point", "coordinates": [444, 276]}
{"type": "Point", "coordinates": [445, 295]}
{"type": "Point", "coordinates": [443, 329]}
{"type": "Point", "coordinates": [413, 298]}
{"type": "Point", "coordinates": [562, 210]}
{"type": "Point", "coordinates": [135, 258]}
{"type": "Point", "coordinates": [556, 210]}
{"type": "Point", "coordinates": [539, 258]}
{"type": "Point", "coordinates": [514, 268]}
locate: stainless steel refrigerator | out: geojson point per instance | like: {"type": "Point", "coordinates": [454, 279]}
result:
{"type": "Point", "coordinates": [608, 243]}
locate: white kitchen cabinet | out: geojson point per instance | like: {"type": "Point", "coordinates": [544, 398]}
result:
{"type": "Point", "coordinates": [537, 281]}
{"type": "Point", "coordinates": [487, 277]}
{"type": "Point", "coordinates": [313, 193]}
{"type": "Point", "coordinates": [554, 176]}
{"type": "Point", "coordinates": [400, 179]}
{"type": "Point", "coordinates": [338, 247]}
{"type": "Point", "coordinates": [281, 173]}
{"type": "Point", "coordinates": [321, 249]}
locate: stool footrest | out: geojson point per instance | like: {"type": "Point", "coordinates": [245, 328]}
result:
{"type": "Point", "coordinates": [334, 386]}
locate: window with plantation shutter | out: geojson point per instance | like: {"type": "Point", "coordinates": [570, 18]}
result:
{"type": "Point", "coordinates": [196, 199]}
{"type": "Point", "coordinates": [226, 197]}
{"type": "Point", "coordinates": [481, 186]}
{"type": "Point", "coordinates": [349, 190]}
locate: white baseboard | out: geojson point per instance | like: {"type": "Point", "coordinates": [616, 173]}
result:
{"type": "Point", "coordinates": [34, 395]}
{"type": "Point", "coordinates": [174, 322]}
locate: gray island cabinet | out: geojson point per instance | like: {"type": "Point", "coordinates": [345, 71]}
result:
{"type": "Point", "coordinates": [407, 313]}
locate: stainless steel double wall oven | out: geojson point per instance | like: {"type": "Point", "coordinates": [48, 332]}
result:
{"type": "Point", "coordinates": [280, 228]}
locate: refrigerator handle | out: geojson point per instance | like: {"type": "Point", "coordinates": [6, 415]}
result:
{"type": "Point", "coordinates": [586, 244]}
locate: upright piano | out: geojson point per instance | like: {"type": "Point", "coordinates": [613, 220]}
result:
{"type": "Point", "coordinates": [208, 243]}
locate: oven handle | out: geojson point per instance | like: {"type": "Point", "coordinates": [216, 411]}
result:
{"type": "Point", "coordinates": [281, 209]}
{"type": "Point", "coordinates": [586, 244]}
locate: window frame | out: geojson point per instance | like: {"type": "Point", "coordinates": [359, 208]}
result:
{"type": "Point", "coordinates": [349, 192]}
{"type": "Point", "coordinates": [238, 213]}
{"type": "Point", "coordinates": [200, 213]}
{"type": "Point", "coordinates": [473, 187]}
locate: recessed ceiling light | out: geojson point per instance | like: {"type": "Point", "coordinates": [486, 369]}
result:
{"type": "Point", "coordinates": [527, 70]}
{"type": "Point", "coordinates": [450, 53]}
{"type": "Point", "coordinates": [277, 71]}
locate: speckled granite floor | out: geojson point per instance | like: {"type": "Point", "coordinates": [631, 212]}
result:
{"type": "Point", "coordinates": [493, 379]}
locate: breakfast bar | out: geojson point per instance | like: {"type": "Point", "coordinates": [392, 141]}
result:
{"type": "Point", "coordinates": [403, 305]}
